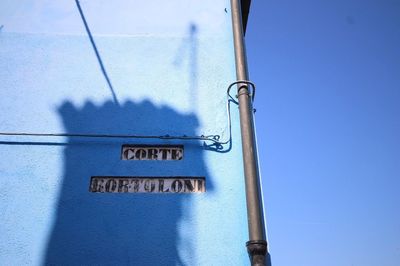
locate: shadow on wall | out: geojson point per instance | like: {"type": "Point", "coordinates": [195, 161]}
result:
{"type": "Point", "coordinates": [123, 228]}
{"type": "Point", "coordinates": [189, 50]}
{"type": "Point", "coordinates": [96, 51]}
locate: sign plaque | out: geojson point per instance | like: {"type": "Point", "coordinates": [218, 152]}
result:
{"type": "Point", "coordinates": [135, 184]}
{"type": "Point", "coordinates": [150, 152]}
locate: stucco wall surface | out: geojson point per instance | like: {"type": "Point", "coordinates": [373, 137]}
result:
{"type": "Point", "coordinates": [153, 68]}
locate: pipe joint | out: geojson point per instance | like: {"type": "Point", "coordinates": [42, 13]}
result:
{"type": "Point", "coordinates": [257, 250]}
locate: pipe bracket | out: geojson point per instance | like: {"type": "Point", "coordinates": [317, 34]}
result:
{"type": "Point", "coordinates": [244, 83]}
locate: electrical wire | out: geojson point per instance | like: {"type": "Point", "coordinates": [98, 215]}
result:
{"type": "Point", "coordinates": [214, 139]}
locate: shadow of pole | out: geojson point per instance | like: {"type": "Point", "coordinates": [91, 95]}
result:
{"type": "Point", "coordinates": [189, 49]}
{"type": "Point", "coordinates": [193, 65]}
{"type": "Point", "coordinates": [96, 51]}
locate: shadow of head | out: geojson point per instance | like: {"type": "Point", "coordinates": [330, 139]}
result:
{"type": "Point", "coordinates": [126, 228]}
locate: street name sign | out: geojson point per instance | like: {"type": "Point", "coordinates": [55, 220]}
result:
{"type": "Point", "coordinates": [150, 152]}
{"type": "Point", "coordinates": [134, 184]}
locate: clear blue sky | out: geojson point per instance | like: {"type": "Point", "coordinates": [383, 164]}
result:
{"type": "Point", "coordinates": [328, 122]}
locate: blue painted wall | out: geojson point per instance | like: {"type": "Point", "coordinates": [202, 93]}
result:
{"type": "Point", "coordinates": [153, 68]}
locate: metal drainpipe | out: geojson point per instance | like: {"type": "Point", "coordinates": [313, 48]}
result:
{"type": "Point", "coordinates": [257, 244]}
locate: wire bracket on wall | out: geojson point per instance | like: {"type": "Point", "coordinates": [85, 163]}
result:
{"type": "Point", "coordinates": [243, 84]}
{"type": "Point", "coordinates": [211, 141]}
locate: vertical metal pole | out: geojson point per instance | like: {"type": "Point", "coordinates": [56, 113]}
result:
{"type": "Point", "coordinates": [257, 244]}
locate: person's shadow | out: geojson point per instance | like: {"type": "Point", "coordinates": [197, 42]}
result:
{"type": "Point", "coordinates": [123, 228]}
